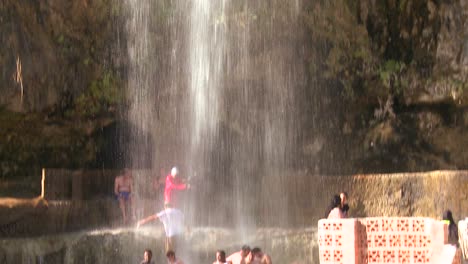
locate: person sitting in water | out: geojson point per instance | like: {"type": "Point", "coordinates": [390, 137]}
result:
{"type": "Point", "coordinates": [147, 256]}
{"type": "Point", "coordinates": [241, 256]}
{"type": "Point", "coordinates": [221, 258]}
{"type": "Point", "coordinates": [173, 184]}
{"type": "Point", "coordinates": [258, 257]}
{"type": "Point", "coordinates": [171, 257]}
{"type": "Point", "coordinates": [173, 221]}
{"type": "Point", "coordinates": [336, 212]}
{"type": "Point", "coordinates": [123, 190]}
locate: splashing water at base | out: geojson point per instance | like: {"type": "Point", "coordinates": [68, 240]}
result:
{"type": "Point", "coordinates": [127, 245]}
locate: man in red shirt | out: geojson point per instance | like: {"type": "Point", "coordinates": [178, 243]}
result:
{"type": "Point", "coordinates": [173, 185]}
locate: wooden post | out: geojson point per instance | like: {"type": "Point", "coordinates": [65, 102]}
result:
{"type": "Point", "coordinates": [43, 183]}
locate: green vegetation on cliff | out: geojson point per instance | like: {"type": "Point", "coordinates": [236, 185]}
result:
{"type": "Point", "coordinates": [102, 97]}
{"type": "Point", "coordinates": [398, 69]}
{"type": "Point", "coordinates": [376, 50]}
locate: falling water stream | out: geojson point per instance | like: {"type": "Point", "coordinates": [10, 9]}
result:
{"type": "Point", "coordinates": [217, 84]}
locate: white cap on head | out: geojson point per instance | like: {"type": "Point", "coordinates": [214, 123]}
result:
{"type": "Point", "coordinates": [174, 171]}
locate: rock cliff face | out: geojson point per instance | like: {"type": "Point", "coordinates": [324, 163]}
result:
{"type": "Point", "coordinates": [387, 84]}
{"type": "Point", "coordinates": [399, 70]}
{"type": "Point", "coordinates": [58, 59]}
{"type": "Point", "coordinates": [53, 50]}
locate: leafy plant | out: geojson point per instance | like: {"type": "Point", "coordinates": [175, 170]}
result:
{"type": "Point", "coordinates": [349, 57]}
{"type": "Point", "coordinates": [101, 96]}
{"type": "Point", "coordinates": [390, 74]}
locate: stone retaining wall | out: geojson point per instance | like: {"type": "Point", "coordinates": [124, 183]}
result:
{"type": "Point", "coordinates": [62, 184]}
{"type": "Point", "coordinates": [425, 194]}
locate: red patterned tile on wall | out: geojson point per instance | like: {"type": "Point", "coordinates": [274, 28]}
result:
{"type": "Point", "coordinates": [390, 256]}
{"type": "Point", "coordinates": [404, 256]}
{"type": "Point", "coordinates": [418, 225]}
{"type": "Point", "coordinates": [389, 225]}
{"type": "Point", "coordinates": [337, 241]}
{"type": "Point", "coordinates": [374, 256]}
{"type": "Point", "coordinates": [394, 240]}
{"type": "Point", "coordinates": [421, 256]}
{"type": "Point", "coordinates": [403, 225]}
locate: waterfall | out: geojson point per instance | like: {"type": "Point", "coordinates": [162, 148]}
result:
{"type": "Point", "coordinates": [217, 85]}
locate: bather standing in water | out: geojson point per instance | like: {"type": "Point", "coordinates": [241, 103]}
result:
{"type": "Point", "coordinates": [147, 256]}
{"type": "Point", "coordinates": [221, 258]}
{"type": "Point", "coordinates": [171, 257]}
{"type": "Point", "coordinates": [173, 221]}
{"type": "Point", "coordinates": [258, 257]}
{"type": "Point", "coordinates": [240, 257]}
{"type": "Point", "coordinates": [123, 190]}
{"type": "Point", "coordinates": [173, 185]}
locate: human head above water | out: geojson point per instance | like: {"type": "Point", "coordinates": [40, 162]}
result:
{"type": "Point", "coordinates": [245, 250]}
{"type": "Point", "coordinates": [221, 256]}
{"type": "Point", "coordinates": [170, 254]}
{"type": "Point", "coordinates": [257, 252]}
{"type": "Point", "coordinates": [148, 255]}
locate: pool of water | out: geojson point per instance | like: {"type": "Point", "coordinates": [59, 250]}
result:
{"type": "Point", "coordinates": [126, 245]}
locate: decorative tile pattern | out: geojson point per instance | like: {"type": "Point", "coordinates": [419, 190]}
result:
{"type": "Point", "coordinates": [377, 240]}
{"type": "Point", "coordinates": [396, 240]}
{"type": "Point", "coordinates": [336, 240]}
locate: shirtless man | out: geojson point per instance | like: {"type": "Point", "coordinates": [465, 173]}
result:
{"type": "Point", "coordinates": [123, 190]}
{"type": "Point", "coordinates": [147, 256]}
{"type": "Point", "coordinates": [258, 257]}
{"type": "Point", "coordinates": [171, 258]}
{"type": "Point", "coordinates": [240, 257]}
{"type": "Point", "coordinates": [221, 258]}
